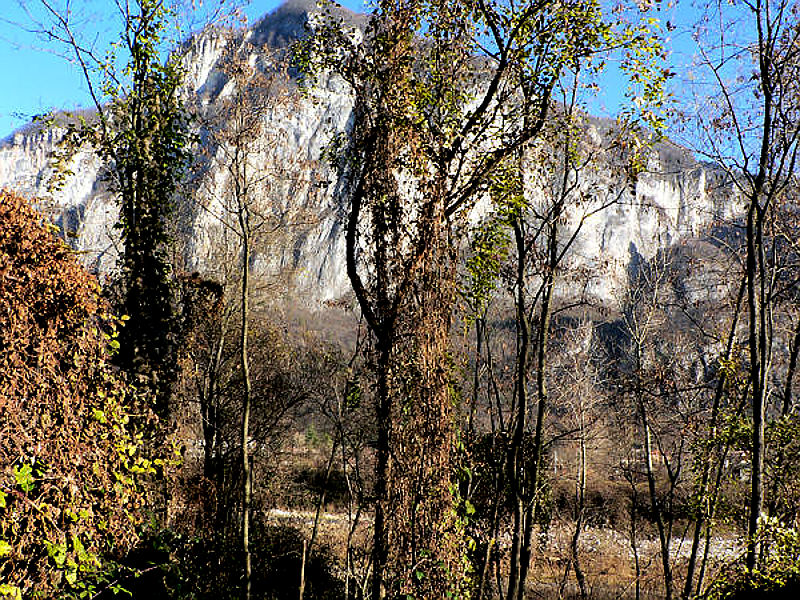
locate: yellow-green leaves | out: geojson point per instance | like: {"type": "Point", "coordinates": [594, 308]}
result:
{"type": "Point", "coordinates": [643, 117]}
{"type": "Point", "coordinates": [10, 592]}
{"type": "Point", "coordinates": [24, 477]}
{"type": "Point", "coordinates": [57, 553]}
{"type": "Point", "coordinates": [489, 246]}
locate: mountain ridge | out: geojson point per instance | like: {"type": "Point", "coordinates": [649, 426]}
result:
{"type": "Point", "coordinates": [674, 199]}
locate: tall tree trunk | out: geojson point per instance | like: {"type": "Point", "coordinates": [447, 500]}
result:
{"type": "Point", "coordinates": [755, 347]}
{"type": "Point", "coordinates": [543, 336]}
{"type": "Point", "coordinates": [663, 537]}
{"type": "Point", "coordinates": [247, 482]}
{"type": "Point", "coordinates": [380, 550]}
{"type": "Point", "coordinates": [756, 282]}
{"type": "Point", "coordinates": [515, 457]}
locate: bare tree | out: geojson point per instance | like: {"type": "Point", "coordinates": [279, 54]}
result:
{"type": "Point", "coordinates": [750, 126]}
{"type": "Point", "coordinates": [249, 154]}
{"type": "Point", "coordinates": [642, 316]}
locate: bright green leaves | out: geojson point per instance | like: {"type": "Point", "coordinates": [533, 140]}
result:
{"type": "Point", "coordinates": [490, 243]}
{"type": "Point", "coordinates": [25, 478]}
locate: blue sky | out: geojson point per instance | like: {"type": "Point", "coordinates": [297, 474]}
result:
{"type": "Point", "coordinates": [37, 79]}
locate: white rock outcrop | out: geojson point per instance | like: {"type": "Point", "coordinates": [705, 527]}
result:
{"type": "Point", "coordinates": [676, 199]}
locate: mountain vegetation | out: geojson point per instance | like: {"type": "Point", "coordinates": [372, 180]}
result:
{"type": "Point", "coordinates": [472, 419]}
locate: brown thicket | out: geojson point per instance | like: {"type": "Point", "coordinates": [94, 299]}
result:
{"type": "Point", "coordinates": [67, 489]}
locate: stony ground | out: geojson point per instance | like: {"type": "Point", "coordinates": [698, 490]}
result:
{"type": "Point", "coordinates": [606, 555]}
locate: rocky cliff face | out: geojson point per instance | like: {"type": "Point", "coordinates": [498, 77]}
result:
{"type": "Point", "coordinates": [676, 199]}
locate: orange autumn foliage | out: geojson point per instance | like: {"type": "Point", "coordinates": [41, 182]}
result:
{"type": "Point", "coordinates": [68, 457]}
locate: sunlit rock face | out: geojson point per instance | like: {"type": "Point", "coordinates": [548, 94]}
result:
{"type": "Point", "coordinates": [82, 207]}
{"type": "Point", "coordinates": [673, 201]}
{"type": "Point", "coordinates": [676, 198]}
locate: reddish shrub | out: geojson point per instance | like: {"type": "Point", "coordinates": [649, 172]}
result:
{"type": "Point", "coordinates": [68, 457]}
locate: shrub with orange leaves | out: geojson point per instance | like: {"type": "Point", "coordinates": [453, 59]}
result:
{"type": "Point", "coordinates": [69, 456]}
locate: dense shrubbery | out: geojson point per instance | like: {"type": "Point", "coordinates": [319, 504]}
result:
{"type": "Point", "coordinates": [69, 458]}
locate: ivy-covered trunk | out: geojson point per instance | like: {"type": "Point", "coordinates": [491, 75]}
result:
{"type": "Point", "coordinates": [423, 530]}
{"type": "Point", "coordinates": [144, 138]}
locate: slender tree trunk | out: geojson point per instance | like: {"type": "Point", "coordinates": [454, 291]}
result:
{"type": "Point", "coordinates": [702, 493]}
{"type": "Point", "coordinates": [480, 325]}
{"type": "Point", "coordinates": [496, 518]}
{"type": "Point", "coordinates": [380, 550]}
{"type": "Point", "coordinates": [528, 500]}
{"type": "Point", "coordinates": [663, 537]}
{"type": "Point", "coordinates": [756, 282]}
{"type": "Point", "coordinates": [307, 548]}
{"type": "Point", "coordinates": [246, 475]}
{"type": "Point", "coordinates": [580, 502]}
{"type": "Point", "coordinates": [634, 539]}
{"type": "Point", "coordinates": [303, 570]}
{"type": "Point", "coordinates": [208, 410]}
{"type": "Point", "coordinates": [515, 470]}
{"type": "Point", "coordinates": [756, 383]}
{"type": "Point", "coordinates": [655, 507]}
{"type": "Point", "coordinates": [787, 390]}
{"type": "Point", "coordinates": [487, 558]}
{"type": "Point", "coordinates": [542, 338]}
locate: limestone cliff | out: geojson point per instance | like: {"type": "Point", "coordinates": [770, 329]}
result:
{"type": "Point", "coordinates": [677, 198]}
